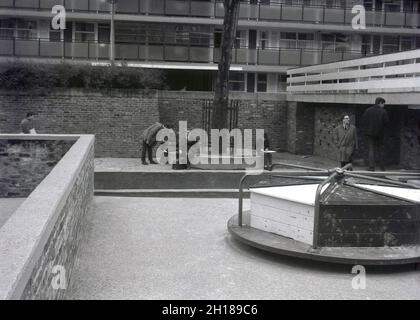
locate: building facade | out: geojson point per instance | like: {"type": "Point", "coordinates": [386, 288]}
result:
{"type": "Point", "coordinates": [183, 36]}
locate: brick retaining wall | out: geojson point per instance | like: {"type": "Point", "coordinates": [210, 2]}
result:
{"type": "Point", "coordinates": [117, 118]}
{"type": "Point", "coordinates": [40, 240]}
{"type": "Point", "coordinates": [63, 243]}
{"type": "Point", "coordinates": [265, 111]}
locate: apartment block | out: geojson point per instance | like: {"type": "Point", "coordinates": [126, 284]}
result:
{"type": "Point", "coordinates": [184, 36]}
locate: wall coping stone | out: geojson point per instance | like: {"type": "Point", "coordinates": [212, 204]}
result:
{"type": "Point", "coordinates": [24, 235]}
{"type": "Point", "coordinates": [79, 92]}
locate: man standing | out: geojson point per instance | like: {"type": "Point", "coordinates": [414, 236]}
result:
{"type": "Point", "coordinates": [375, 120]}
{"type": "Point", "coordinates": [149, 141]}
{"type": "Point", "coordinates": [27, 125]}
{"type": "Point", "coordinates": [345, 140]}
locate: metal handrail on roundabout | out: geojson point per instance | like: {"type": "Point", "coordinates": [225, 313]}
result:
{"type": "Point", "coordinates": [342, 176]}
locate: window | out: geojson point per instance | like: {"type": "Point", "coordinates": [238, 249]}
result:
{"type": "Point", "coordinates": [155, 35]}
{"type": "Point", "coordinates": [7, 28]}
{"type": "Point", "coordinates": [282, 83]}
{"type": "Point", "coordinates": [125, 33]}
{"type": "Point", "coordinates": [305, 40]}
{"type": "Point", "coordinates": [288, 40]}
{"type": "Point", "coordinates": [366, 44]}
{"type": "Point", "coordinates": [263, 40]}
{"type": "Point", "coordinates": [181, 35]}
{"type": "Point", "coordinates": [84, 32]}
{"type": "Point", "coordinates": [104, 33]}
{"type": "Point", "coordinates": [26, 29]}
{"type": "Point", "coordinates": [262, 82]}
{"type": "Point", "coordinates": [335, 3]}
{"type": "Point", "coordinates": [237, 81]}
{"type": "Point", "coordinates": [200, 36]}
{"type": "Point", "coordinates": [337, 42]}
{"type": "Point", "coordinates": [390, 44]}
{"type": "Point", "coordinates": [55, 35]}
{"type": "Point", "coordinates": [406, 43]}
{"type": "Point", "coordinates": [392, 6]}
{"type": "Point", "coordinates": [241, 39]}
{"type": "Point", "coordinates": [368, 4]}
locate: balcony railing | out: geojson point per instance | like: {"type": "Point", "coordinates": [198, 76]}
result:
{"type": "Point", "coordinates": [396, 72]}
{"type": "Point", "coordinates": [169, 52]}
{"type": "Point", "coordinates": [214, 9]}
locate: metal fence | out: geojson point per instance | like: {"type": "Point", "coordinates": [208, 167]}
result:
{"type": "Point", "coordinates": [232, 112]}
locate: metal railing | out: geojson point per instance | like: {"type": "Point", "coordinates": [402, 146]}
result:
{"type": "Point", "coordinates": [171, 52]}
{"type": "Point", "coordinates": [337, 175]}
{"type": "Point", "coordinates": [396, 72]}
{"type": "Point", "coordinates": [214, 9]}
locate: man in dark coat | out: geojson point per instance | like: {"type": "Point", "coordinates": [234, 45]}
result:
{"type": "Point", "coordinates": [375, 120]}
{"type": "Point", "coordinates": [346, 141]}
{"type": "Point", "coordinates": [27, 125]}
{"type": "Point", "coordinates": [149, 141]}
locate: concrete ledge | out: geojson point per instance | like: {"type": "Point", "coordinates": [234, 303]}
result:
{"type": "Point", "coordinates": [28, 232]}
{"type": "Point", "coordinates": [405, 98]}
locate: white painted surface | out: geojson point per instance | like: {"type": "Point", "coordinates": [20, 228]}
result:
{"type": "Point", "coordinates": [409, 194]}
{"type": "Point", "coordinates": [304, 194]}
{"type": "Point", "coordinates": [287, 211]}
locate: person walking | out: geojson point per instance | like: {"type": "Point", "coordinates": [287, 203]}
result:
{"type": "Point", "coordinates": [149, 141]}
{"type": "Point", "coordinates": [346, 140]}
{"type": "Point", "coordinates": [27, 125]}
{"type": "Point", "coordinates": [375, 120]}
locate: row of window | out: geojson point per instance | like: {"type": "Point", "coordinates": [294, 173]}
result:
{"type": "Point", "coordinates": [251, 82]}
{"type": "Point", "coordinates": [206, 37]}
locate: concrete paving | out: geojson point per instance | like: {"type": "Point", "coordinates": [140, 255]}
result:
{"type": "Point", "coordinates": [132, 164]}
{"type": "Point", "coordinates": [7, 207]}
{"type": "Point", "coordinates": [151, 248]}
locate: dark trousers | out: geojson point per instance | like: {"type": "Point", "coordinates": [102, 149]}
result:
{"type": "Point", "coordinates": [343, 163]}
{"type": "Point", "coordinates": [149, 149]}
{"type": "Point", "coordinates": [376, 151]}
{"type": "Point", "coordinates": [268, 160]}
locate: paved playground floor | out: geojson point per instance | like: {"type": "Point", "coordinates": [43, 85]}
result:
{"type": "Point", "coordinates": [151, 248]}
{"type": "Point", "coordinates": [133, 164]}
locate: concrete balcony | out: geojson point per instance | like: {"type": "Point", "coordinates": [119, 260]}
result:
{"type": "Point", "coordinates": [169, 52]}
{"type": "Point", "coordinates": [214, 9]}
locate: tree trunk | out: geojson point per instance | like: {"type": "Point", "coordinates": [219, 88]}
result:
{"type": "Point", "coordinates": [221, 96]}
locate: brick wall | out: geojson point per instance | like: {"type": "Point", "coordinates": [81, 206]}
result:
{"type": "Point", "coordinates": [65, 237]}
{"type": "Point", "coordinates": [327, 117]}
{"type": "Point", "coordinates": [268, 112]}
{"type": "Point", "coordinates": [300, 126]}
{"type": "Point", "coordinates": [117, 117]}
{"type": "Point", "coordinates": [24, 164]}
{"type": "Point", "coordinates": [410, 140]}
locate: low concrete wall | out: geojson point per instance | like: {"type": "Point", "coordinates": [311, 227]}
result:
{"type": "Point", "coordinates": [39, 242]}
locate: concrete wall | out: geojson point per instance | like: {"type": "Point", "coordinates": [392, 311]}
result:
{"type": "Point", "coordinates": [45, 231]}
{"type": "Point", "coordinates": [24, 164]}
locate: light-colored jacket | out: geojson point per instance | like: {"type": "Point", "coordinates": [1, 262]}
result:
{"type": "Point", "coordinates": [346, 141]}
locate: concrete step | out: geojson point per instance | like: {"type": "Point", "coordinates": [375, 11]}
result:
{"type": "Point", "coordinates": [172, 193]}
{"type": "Point", "coordinates": [168, 180]}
